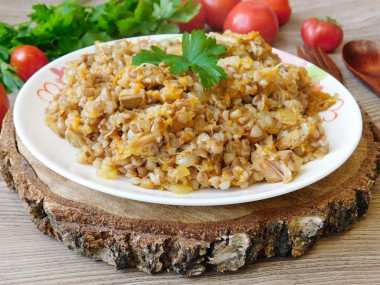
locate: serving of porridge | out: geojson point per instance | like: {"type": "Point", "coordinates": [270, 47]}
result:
{"type": "Point", "coordinates": [168, 132]}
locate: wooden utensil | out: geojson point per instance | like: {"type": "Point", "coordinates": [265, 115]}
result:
{"type": "Point", "coordinates": [319, 57]}
{"type": "Point", "coordinates": [362, 57]}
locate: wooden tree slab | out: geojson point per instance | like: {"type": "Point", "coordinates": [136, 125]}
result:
{"type": "Point", "coordinates": [188, 240]}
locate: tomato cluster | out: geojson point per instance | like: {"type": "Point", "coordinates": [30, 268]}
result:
{"type": "Point", "coordinates": [264, 16]}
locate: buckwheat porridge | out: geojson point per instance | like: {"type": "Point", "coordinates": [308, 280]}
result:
{"type": "Point", "coordinates": [167, 132]}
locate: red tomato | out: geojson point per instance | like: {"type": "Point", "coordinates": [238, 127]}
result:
{"type": "Point", "coordinates": [327, 34]}
{"type": "Point", "coordinates": [217, 11]}
{"type": "Point", "coordinates": [27, 60]}
{"type": "Point", "coordinates": [250, 16]}
{"type": "Point", "coordinates": [4, 103]}
{"type": "Point", "coordinates": [281, 8]}
{"type": "Point", "coordinates": [198, 22]}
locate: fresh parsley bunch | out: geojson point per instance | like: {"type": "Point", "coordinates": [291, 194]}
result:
{"type": "Point", "coordinates": [200, 54]}
{"type": "Point", "coordinates": [58, 30]}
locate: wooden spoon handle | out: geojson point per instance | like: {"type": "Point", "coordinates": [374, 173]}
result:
{"type": "Point", "coordinates": [372, 83]}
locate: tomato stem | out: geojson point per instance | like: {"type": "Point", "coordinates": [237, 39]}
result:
{"type": "Point", "coordinates": [331, 20]}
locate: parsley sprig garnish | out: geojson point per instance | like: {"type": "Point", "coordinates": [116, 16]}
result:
{"type": "Point", "coordinates": [200, 54]}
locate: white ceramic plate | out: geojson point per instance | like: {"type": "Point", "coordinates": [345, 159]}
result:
{"type": "Point", "coordinates": [343, 124]}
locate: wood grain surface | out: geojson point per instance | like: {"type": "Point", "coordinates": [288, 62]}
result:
{"type": "Point", "coordinates": [353, 257]}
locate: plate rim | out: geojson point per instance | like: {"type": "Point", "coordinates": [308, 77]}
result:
{"type": "Point", "coordinates": [176, 199]}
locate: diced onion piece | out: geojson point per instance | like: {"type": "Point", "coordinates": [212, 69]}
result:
{"type": "Point", "coordinates": [228, 157]}
{"type": "Point", "coordinates": [256, 131]}
{"type": "Point", "coordinates": [180, 188]}
{"type": "Point", "coordinates": [180, 172]}
{"type": "Point", "coordinates": [187, 160]}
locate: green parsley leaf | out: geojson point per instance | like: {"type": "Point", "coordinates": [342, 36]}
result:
{"type": "Point", "coordinates": [7, 33]}
{"type": "Point", "coordinates": [177, 64]}
{"type": "Point", "coordinates": [105, 17]}
{"type": "Point", "coordinates": [4, 55]}
{"type": "Point", "coordinates": [41, 13]}
{"type": "Point", "coordinates": [165, 9]}
{"type": "Point", "coordinates": [89, 38]}
{"type": "Point", "coordinates": [128, 27]}
{"type": "Point", "coordinates": [185, 12]}
{"type": "Point", "coordinates": [200, 53]}
{"type": "Point", "coordinates": [7, 76]}
{"type": "Point", "coordinates": [145, 56]}
{"type": "Point", "coordinates": [167, 28]}
{"type": "Point", "coordinates": [175, 10]}
{"type": "Point", "coordinates": [144, 10]}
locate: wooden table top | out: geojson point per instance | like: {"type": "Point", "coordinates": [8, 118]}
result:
{"type": "Point", "coordinates": [353, 257]}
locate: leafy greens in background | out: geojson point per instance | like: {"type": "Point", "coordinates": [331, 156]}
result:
{"type": "Point", "coordinates": [58, 30]}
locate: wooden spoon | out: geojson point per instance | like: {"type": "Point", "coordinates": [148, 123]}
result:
{"type": "Point", "coordinates": [362, 57]}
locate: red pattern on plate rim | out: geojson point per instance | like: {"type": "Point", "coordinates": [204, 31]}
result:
{"type": "Point", "coordinates": [333, 112]}
{"type": "Point", "coordinates": [47, 92]}
{"type": "Point", "coordinates": [50, 89]}
{"type": "Point", "coordinates": [59, 73]}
